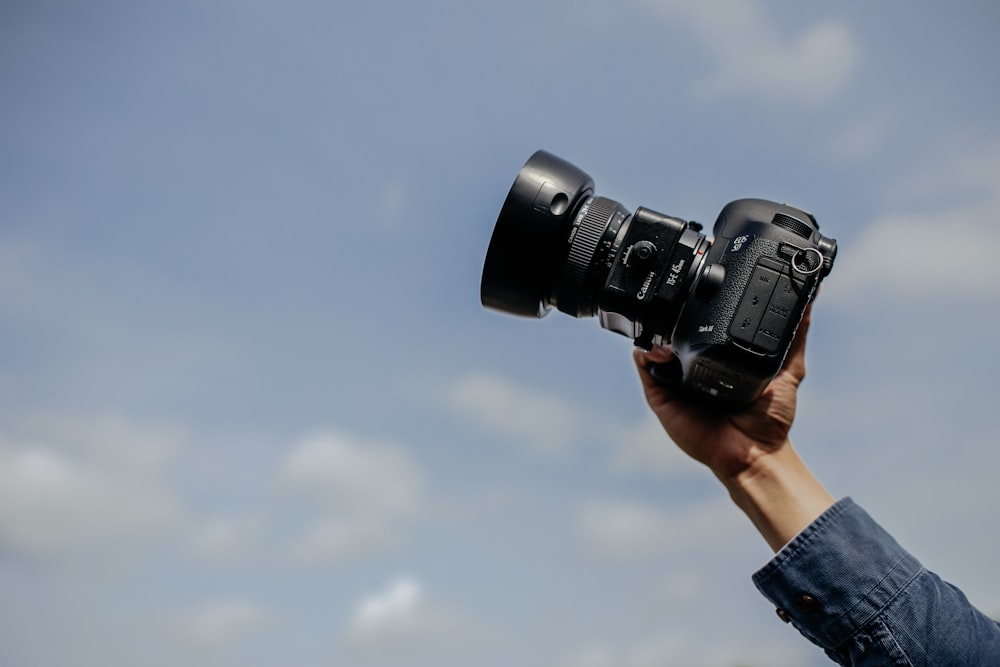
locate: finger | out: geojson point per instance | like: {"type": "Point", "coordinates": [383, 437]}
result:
{"type": "Point", "coordinates": [657, 394]}
{"type": "Point", "coordinates": [657, 355]}
{"type": "Point", "coordinates": [795, 362]}
{"type": "Point", "coordinates": [642, 362]}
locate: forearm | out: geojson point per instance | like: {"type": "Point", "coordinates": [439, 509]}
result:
{"type": "Point", "coordinates": [779, 494]}
{"type": "Point", "coordinates": [848, 587]}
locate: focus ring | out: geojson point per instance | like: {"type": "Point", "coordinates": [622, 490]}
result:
{"type": "Point", "coordinates": [571, 298]}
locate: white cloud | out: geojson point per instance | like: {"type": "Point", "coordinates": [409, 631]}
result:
{"type": "Point", "coordinates": [633, 529]}
{"type": "Point", "coordinates": [752, 58]}
{"type": "Point", "coordinates": [624, 527]}
{"type": "Point", "coordinates": [545, 422]}
{"type": "Point", "coordinates": [673, 648]}
{"type": "Point", "coordinates": [339, 538]}
{"type": "Point", "coordinates": [66, 482]}
{"type": "Point", "coordinates": [389, 611]}
{"type": "Point", "coordinates": [646, 448]}
{"type": "Point", "coordinates": [219, 624]}
{"type": "Point", "coordinates": [366, 491]}
{"type": "Point", "coordinates": [940, 243]}
{"type": "Point", "coordinates": [548, 423]}
{"type": "Point", "coordinates": [355, 474]}
{"type": "Point", "coordinates": [971, 173]}
{"type": "Point", "coordinates": [223, 537]}
{"type": "Point", "coordinates": [858, 141]}
{"type": "Point", "coordinates": [400, 612]}
{"type": "Point", "coordinates": [920, 256]}
{"type": "Point", "coordinates": [595, 656]}
{"type": "Point", "coordinates": [667, 650]}
{"type": "Point", "coordinates": [341, 497]}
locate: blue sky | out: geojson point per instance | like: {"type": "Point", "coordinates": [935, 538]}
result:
{"type": "Point", "coordinates": [253, 413]}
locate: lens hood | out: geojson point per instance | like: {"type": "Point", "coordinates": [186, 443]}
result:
{"type": "Point", "coordinates": [530, 239]}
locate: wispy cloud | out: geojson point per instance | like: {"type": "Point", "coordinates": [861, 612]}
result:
{"type": "Point", "coordinates": [70, 481]}
{"type": "Point", "coordinates": [544, 422]}
{"type": "Point", "coordinates": [218, 624]}
{"type": "Point", "coordinates": [906, 257]}
{"type": "Point", "coordinates": [223, 538]}
{"type": "Point", "coordinates": [400, 612]}
{"type": "Point", "coordinates": [628, 528]}
{"type": "Point", "coordinates": [645, 448]}
{"type": "Point", "coordinates": [751, 57]}
{"type": "Point", "coordinates": [858, 141]}
{"type": "Point", "coordinates": [676, 649]}
{"type": "Point", "coordinates": [551, 423]}
{"type": "Point", "coordinates": [362, 492]}
{"type": "Point", "coordinates": [354, 473]}
{"type": "Point", "coordinates": [937, 243]}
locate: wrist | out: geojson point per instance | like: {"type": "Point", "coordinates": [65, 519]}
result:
{"type": "Point", "coordinates": [778, 493]}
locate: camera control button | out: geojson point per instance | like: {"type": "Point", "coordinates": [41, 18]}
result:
{"type": "Point", "coordinates": [776, 324]}
{"type": "Point", "coordinates": [642, 254]}
{"type": "Point", "coordinates": [753, 305]}
{"type": "Point", "coordinates": [807, 261]}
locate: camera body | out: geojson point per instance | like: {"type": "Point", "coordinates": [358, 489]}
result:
{"type": "Point", "coordinates": [728, 308]}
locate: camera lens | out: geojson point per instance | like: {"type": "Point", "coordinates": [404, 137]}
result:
{"type": "Point", "coordinates": [531, 239]}
{"type": "Point", "coordinates": [553, 242]}
{"type": "Point", "coordinates": [592, 245]}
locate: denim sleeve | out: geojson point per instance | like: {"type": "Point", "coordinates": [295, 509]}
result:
{"type": "Point", "coordinates": [849, 588]}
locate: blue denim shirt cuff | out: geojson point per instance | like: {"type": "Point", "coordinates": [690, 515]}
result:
{"type": "Point", "coordinates": [836, 575]}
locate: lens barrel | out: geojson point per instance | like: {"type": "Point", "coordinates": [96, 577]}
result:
{"type": "Point", "coordinates": [530, 241]}
{"type": "Point", "coordinates": [591, 248]}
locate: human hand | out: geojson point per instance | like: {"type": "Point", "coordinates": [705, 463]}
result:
{"type": "Point", "coordinates": [749, 451]}
{"type": "Point", "coordinates": [728, 443]}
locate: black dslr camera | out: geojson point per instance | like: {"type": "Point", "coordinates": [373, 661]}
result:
{"type": "Point", "coordinates": [728, 309]}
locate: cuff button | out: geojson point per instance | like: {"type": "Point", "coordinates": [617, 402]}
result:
{"type": "Point", "coordinates": [806, 603]}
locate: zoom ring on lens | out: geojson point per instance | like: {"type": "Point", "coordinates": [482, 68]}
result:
{"type": "Point", "coordinates": [572, 298]}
